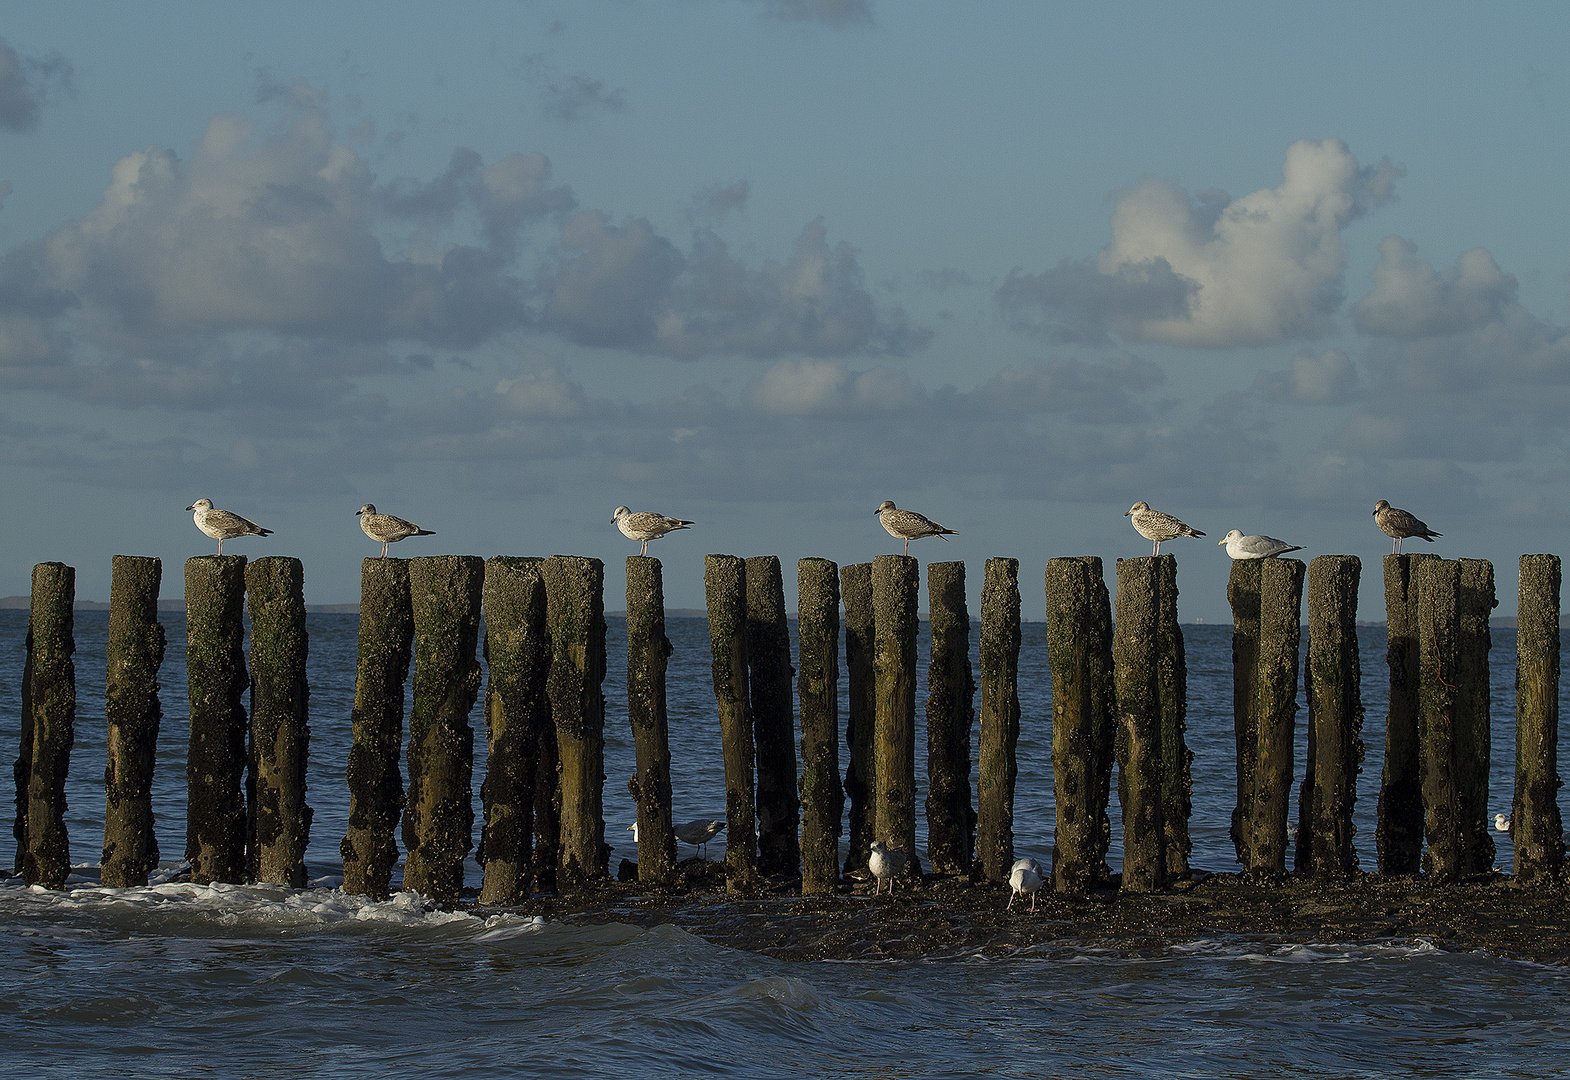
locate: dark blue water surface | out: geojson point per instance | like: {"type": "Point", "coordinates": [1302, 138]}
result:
{"type": "Point", "coordinates": [179, 979]}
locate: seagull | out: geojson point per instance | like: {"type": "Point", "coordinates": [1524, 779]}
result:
{"type": "Point", "coordinates": [386, 528]}
{"type": "Point", "coordinates": [1501, 823]}
{"type": "Point", "coordinates": [1154, 525]}
{"type": "Point", "coordinates": [645, 525]}
{"type": "Point", "coordinates": [697, 832]}
{"type": "Point", "coordinates": [1025, 877]}
{"type": "Point", "coordinates": [907, 525]}
{"type": "Point", "coordinates": [221, 525]}
{"type": "Point", "coordinates": [1399, 525]}
{"type": "Point", "coordinates": [1256, 547]}
{"type": "Point", "coordinates": [885, 863]}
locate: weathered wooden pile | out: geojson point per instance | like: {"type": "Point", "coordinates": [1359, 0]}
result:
{"type": "Point", "coordinates": [1118, 693]}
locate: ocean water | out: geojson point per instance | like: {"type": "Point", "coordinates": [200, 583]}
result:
{"type": "Point", "coordinates": [178, 979]}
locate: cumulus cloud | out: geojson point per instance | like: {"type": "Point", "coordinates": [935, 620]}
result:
{"type": "Point", "coordinates": [825, 387]}
{"type": "Point", "coordinates": [26, 85]}
{"type": "Point", "coordinates": [1328, 379]}
{"type": "Point", "coordinates": [1411, 299]}
{"type": "Point", "coordinates": [1210, 270]}
{"type": "Point", "coordinates": [625, 286]}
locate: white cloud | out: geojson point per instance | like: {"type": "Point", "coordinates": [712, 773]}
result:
{"type": "Point", "coordinates": [824, 387]}
{"type": "Point", "coordinates": [1328, 379]}
{"type": "Point", "coordinates": [1213, 271]}
{"type": "Point", "coordinates": [1411, 299]}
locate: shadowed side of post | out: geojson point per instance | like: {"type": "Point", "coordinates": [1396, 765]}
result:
{"type": "Point", "coordinates": [133, 715]}
{"type": "Point", "coordinates": [216, 678]}
{"type": "Point", "coordinates": [951, 712]}
{"type": "Point", "coordinates": [575, 612]}
{"type": "Point", "coordinates": [817, 685]}
{"type": "Point", "coordinates": [1536, 826]}
{"type": "Point", "coordinates": [997, 765]}
{"type": "Point", "coordinates": [648, 650]}
{"type": "Point", "coordinates": [48, 726]}
{"type": "Point", "coordinates": [1331, 681]}
{"type": "Point", "coordinates": [861, 713]}
{"type": "Point", "coordinates": [725, 589]}
{"type": "Point", "coordinates": [770, 675]}
{"type": "Point", "coordinates": [279, 824]}
{"type": "Point", "coordinates": [895, 584]}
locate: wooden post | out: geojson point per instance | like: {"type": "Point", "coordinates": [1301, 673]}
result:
{"type": "Point", "coordinates": [725, 588]}
{"type": "Point", "coordinates": [575, 606]}
{"type": "Point", "coordinates": [1398, 833]}
{"type": "Point", "coordinates": [1536, 827]}
{"type": "Point", "coordinates": [817, 682]}
{"type": "Point", "coordinates": [279, 824]}
{"type": "Point", "coordinates": [374, 774]}
{"type": "Point", "coordinates": [861, 714]}
{"type": "Point", "coordinates": [216, 677]}
{"type": "Point", "coordinates": [438, 820]}
{"type": "Point", "coordinates": [48, 727]}
{"type": "Point", "coordinates": [1135, 657]}
{"type": "Point", "coordinates": [1473, 725]}
{"type": "Point", "coordinates": [133, 713]}
{"type": "Point", "coordinates": [1331, 678]}
{"type": "Point", "coordinates": [1084, 721]}
{"type": "Point", "coordinates": [648, 650]}
{"type": "Point", "coordinates": [769, 679]}
{"type": "Point", "coordinates": [516, 711]}
{"type": "Point", "coordinates": [997, 766]}
{"type": "Point", "coordinates": [895, 583]}
{"type": "Point", "coordinates": [951, 710]}
{"type": "Point", "coordinates": [1177, 785]}
{"type": "Point", "coordinates": [1439, 650]}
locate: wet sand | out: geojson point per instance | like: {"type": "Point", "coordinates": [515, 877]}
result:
{"type": "Point", "coordinates": [948, 917]}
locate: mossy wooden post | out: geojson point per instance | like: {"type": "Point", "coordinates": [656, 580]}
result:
{"type": "Point", "coordinates": [648, 650]}
{"type": "Point", "coordinates": [438, 818]}
{"type": "Point", "coordinates": [517, 654]}
{"type": "Point", "coordinates": [1398, 831]}
{"type": "Point", "coordinates": [1438, 584]}
{"type": "Point", "coordinates": [217, 680]}
{"type": "Point", "coordinates": [375, 772]}
{"type": "Point", "coordinates": [725, 590]}
{"type": "Point", "coordinates": [997, 767]}
{"type": "Point", "coordinates": [1331, 681]}
{"type": "Point", "coordinates": [1084, 720]}
{"type": "Point", "coordinates": [817, 684]}
{"type": "Point", "coordinates": [279, 825]}
{"type": "Point", "coordinates": [951, 712]}
{"type": "Point", "coordinates": [547, 808]}
{"type": "Point", "coordinates": [1177, 784]}
{"type": "Point", "coordinates": [1243, 598]}
{"type": "Point", "coordinates": [861, 714]}
{"type": "Point", "coordinates": [48, 727]}
{"type": "Point", "coordinates": [1473, 725]}
{"type": "Point", "coordinates": [135, 652]}
{"type": "Point", "coordinates": [1536, 827]}
{"type": "Point", "coordinates": [895, 584]}
{"type": "Point", "coordinates": [575, 613]}
{"type": "Point", "coordinates": [769, 680]}
{"type": "Point", "coordinates": [1136, 635]}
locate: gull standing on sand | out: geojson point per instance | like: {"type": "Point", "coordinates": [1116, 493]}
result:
{"type": "Point", "coordinates": [885, 863]}
{"type": "Point", "coordinates": [645, 525]}
{"type": "Point", "coordinates": [221, 525]}
{"type": "Point", "coordinates": [1025, 877]}
{"type": "Point", "coordinates": [386, 528]}
{"type": "Point", "coordinates": [1400, 525]}
{"type": "Point", "coordinates": [1255, 547]}
{"type": "Point", "coordinates": [1154, 525]}
{"type": "Point", "coordinates": [907, 525]}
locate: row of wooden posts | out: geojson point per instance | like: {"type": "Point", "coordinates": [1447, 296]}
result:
{"type": "Point", "coordinates": [1118, 692]}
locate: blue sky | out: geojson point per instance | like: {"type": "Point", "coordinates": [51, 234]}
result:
{"type": "Point", "coordinates": [502, 267]}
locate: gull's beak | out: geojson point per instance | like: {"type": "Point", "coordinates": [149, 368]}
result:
{"type": "Point", "coordinates": [1126, 513]}
{"type": "Point", "coordinates": [191, 507]}
{"type": "Point", "coordinates": [1219, 542]}
{"type": "Point", "coordinates": [631, 827]}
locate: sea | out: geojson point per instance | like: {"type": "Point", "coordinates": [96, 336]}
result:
{"type": "Point", "coordinates": [177, 979]}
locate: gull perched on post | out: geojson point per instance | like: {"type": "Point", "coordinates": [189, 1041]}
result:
{"type": "Point", "coordinates": [386, 528]}
{"type": "Point", "coordinates": [1154, 525]}
{"type": "Point", "coordinates": [885, 863]}
{"type": "Point", "coordinates": [1241, 547]}
{"type": "Point", "coordinates": [1025, 877]}
{"type": "Point", "coordinates": [221, 525]}
{"type": "Point", "coordinates": [1399, 525]}
{"type": "Point", "coordinates": [645, 525]}
{"type": "Point", "coordinates": [907, 525]}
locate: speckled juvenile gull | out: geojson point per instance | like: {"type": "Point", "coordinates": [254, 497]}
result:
{"type": "Point", "coordinates": [1400, 525]}
{"type": "Point", "coordinates": [907, 525]}
{"type": "Point", "coordinates": [1025, 877]}
{"type": "Point", "coordinates": [385, 528]}
{"type": "Point", "coordinates": [644, 525]}
{"type": "Point", "coordinates": [221, 525]}
{"type": "Point", "coordinates": [885, 863]}
{"type": "Point", "coordinates": [1154, 525]}
{"type": "Point", "coordinates": [1256, 547]}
